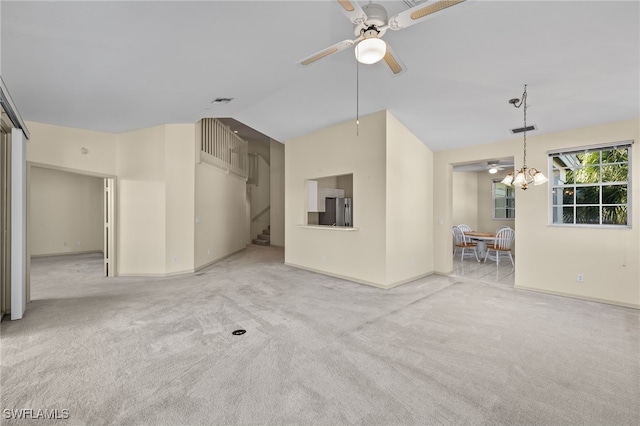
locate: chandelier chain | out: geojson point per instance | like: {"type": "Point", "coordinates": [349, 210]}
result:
{"type": "Point", "coordinates": [524, 101]}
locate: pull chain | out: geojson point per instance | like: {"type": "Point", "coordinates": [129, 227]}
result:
{"type": "Point", "coordinates": [357, 98]}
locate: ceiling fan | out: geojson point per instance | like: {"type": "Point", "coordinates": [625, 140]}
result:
{"type": "Point", "coordinates": [371, 22]}
{"type": "Point", "coordinates": [494, 168]}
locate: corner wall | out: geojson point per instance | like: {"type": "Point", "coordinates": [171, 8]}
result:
{"type": "Point", "coordinates": [221, 212]}
{"type": "Point", "coordinates": [180, 197]}
{"type": "Point", "coordinates": [392, 239]}
{"type": "Point", "coordinates": [409, 220]}
{"type": "Point", "coordinates": [141, 204]}
{"type": "Point", "coordinates": [276, 192]}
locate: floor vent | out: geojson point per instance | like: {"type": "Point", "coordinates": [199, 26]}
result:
{"type": "Point", "coordinates": [238, 332]}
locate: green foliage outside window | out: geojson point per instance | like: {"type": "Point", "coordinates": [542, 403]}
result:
{"type": "Point", "coordinates": [591, 187]}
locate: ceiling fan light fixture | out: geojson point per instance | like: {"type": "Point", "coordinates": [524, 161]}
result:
{"type": "Point", "coordinates": [370, 50]}
{"type": "Point", "coordinates": [493, 170]}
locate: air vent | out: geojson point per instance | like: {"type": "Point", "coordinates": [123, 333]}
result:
{"type": "Point", "coordinates": [221, 100]}
{"type": "Point", "coordinates": [522, 129]}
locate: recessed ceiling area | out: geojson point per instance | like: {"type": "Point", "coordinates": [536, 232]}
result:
{"type": "Point", "coordinates": [120, 66]}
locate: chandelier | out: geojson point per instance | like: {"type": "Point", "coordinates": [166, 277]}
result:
{"type": "Point", "coordinates": [525, 176]}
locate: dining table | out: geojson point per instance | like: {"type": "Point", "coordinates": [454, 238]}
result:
{"type": "Point", "coordinates": [481, 238]}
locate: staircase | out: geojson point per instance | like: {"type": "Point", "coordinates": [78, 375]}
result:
{"type": "Point", "coordinates": [264, 239]}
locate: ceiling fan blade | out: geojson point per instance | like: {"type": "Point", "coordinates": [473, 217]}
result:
{"type": "Point", "coordinates": [396, 66]}
{"type": "Point", "coordinates": [344, 44]}
{"type": "Point", "coordinates": [419, 13]}
{"type": "Point", "coordinates": [353, 11]}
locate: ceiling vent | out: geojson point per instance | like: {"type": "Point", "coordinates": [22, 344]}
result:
{"type": "Point", "coordinates": [522, 129]}
{"type": "Point", "coordinates": [221, 100]}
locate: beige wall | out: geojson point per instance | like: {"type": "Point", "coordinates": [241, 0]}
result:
{"type": "Point", "coordinates": [409, 219]}
{"type": "Point", "coordinates": [392, 202]}
{"type": "Point", "coordinates": [465, 199]}
{"type": "Point", "coordinates": [155, 173]}
{"type": "Point", "coordinates": [276, 193]}
{"type": "Point", "coordinates": [262, 148]}
{"type": "Point", "coordinates": [356, 255]}
{"type": "Point", "coordinates": [260, 199]}
{"type": "Point", "coordinates": [141, 202]}
{"type": "Point", "coordinates": [220, 209]}
{"type": "Point", "coordinates": [548, 258]}
{"type": "Point", "coordinates": [66, 212]}
{"type": "Point", "coordinates": [486, 222]}
{"type": "Point", "coordinates": [180, 197]}
{"type": "Point", "coordinates": [61, 147]}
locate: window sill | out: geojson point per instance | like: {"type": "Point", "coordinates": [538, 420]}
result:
{"type": "Point", "coordinates": [329, 227]}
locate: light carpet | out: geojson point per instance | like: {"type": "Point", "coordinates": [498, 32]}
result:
{"type": "Point", "coordinates": [318, 350]}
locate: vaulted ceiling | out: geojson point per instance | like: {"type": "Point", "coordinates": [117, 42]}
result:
{"type": "Point", "coordinates": [118, 66]}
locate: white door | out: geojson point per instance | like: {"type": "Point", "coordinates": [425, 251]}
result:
{"type": "Point", "coordinates": [109, 227]}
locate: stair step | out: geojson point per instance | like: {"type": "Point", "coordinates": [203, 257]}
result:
{"type": "Point", "coordinates": [264, 237]}
{"type": "Point", "coordinates": [261, 242]}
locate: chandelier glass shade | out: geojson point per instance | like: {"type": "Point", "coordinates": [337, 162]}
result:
{"type": "Point", "coordinates": [525, 176]}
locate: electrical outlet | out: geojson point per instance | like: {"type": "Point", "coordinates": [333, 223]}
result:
{"type": "Point", "coordinates": [78, 243]}
{"type": "Point", "coordinates": [208, 251]}
{"type": "Point", "coordinates": [175, 259]}
{"type": "Point", "coordinates": [580, 278]}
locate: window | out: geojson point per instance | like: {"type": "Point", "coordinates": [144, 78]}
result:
{"type": "Point", "coordinates": [590, 186]}
{"type": "Point", "coordinates": [504, 201]}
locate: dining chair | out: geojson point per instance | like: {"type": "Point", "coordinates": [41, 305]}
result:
{"type": "Point", "coordinates": [461, 242]}
{"type": "Point", "coordinates": [464, 228]}
{"type": "Point", "coordinates": [501, 245]}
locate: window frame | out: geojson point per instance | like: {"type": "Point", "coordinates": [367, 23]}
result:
{"type": "Point", "coordinates": [628, 144]}
{"type": "Point", "coordinates": [505, 208]}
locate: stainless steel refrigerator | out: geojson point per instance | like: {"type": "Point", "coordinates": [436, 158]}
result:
{"type": "Point", "coordinates": [337, 212]}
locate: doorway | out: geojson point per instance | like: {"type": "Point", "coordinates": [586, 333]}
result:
{"type": "Point", "coordinates": [72, 213]}
{"type": "Point", "coordinates": [480, 201]}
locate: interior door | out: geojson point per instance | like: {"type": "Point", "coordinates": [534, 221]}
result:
{"type": "Point", "coordinates": [5, 221]}
{"type": "Point", "coordinates": [109, 227]}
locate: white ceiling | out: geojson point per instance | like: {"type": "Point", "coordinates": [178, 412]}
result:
{"type": "Point", "coordinates": [118, 66]}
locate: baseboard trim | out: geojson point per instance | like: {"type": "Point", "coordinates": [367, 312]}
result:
{"type": "Point", "coordinates": [151, 275]}
{"type": "Point", "coordinates": [206, 265]}
{"type": "Point", "coordinates": [358, 280]}
{"type": "Point", "coordinates": [70, 253]}
{"type": "Point", "coordinates": [575, 296]}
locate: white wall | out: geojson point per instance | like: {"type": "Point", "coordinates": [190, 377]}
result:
{"type": "Point", "coordinates": [548, 258]}
{"type": "Point", "coordinates": [465, 199]}
{"type": "Point", "coordinates": [66, 212]}
{"type": "Point", "coordinates": [276, 193]}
